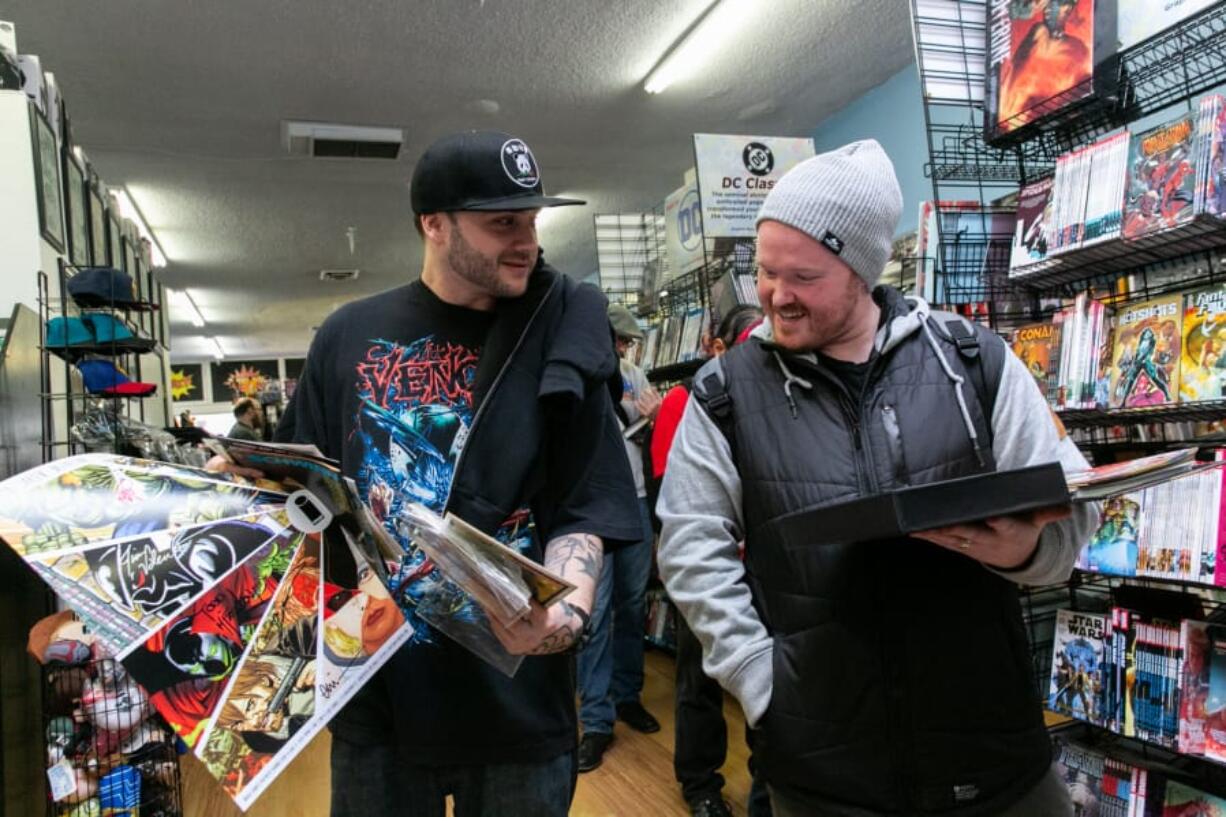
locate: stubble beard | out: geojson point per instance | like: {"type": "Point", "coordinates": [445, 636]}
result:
{"type": "Point", "coordinates": [477, 269]}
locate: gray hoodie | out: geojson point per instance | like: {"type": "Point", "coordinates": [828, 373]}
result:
{"type": "Point", "coordinates": [700, 508]}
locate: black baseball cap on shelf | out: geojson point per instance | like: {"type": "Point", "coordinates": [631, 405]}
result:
{"type": "Point", "coordinates": [479, 170]}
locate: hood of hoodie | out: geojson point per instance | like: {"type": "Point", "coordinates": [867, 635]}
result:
{"type": "Point", "coordinates": [904, 316]}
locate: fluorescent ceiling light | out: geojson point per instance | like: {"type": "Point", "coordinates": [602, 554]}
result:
{"type": "Point", "coordinates": [129, 210]}
{"type": "Point", "coordinates": [708, 36]}
{"type": "Point", "coordinates": [188, 304]}
{"type": "Point", "coordinates": [220, 353]}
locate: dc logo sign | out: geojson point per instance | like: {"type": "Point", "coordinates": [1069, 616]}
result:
{"type": "Point", "coordinates": [689, 221]}
{"type": "Point", "coordinates": [758, 159]}
{"type": "Point", "coordinates": [520, 164]}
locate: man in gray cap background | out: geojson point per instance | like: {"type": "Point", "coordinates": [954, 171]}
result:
{"type": "Point", "coordinates": [884, 677]}
{"type": "Point", "coordinates": [481, 389]}
{"type": "Point", "coordinates": [611, 665]}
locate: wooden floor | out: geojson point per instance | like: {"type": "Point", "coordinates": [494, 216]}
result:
{"type": "Point", "coordinates": [636, 778]}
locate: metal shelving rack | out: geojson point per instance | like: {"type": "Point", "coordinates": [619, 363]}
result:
{"type": "Point", "coordinates": [964, 165]}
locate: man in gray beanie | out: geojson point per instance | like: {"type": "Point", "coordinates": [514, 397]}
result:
{"type": "Point", "coordinates": [882, 678]}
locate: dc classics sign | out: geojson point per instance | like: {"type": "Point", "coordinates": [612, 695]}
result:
{"type": "Point", "coordinates": [734, 175]}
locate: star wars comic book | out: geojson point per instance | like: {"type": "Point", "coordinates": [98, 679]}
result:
{"type": "Point", "coordinates": [1145, 357]}
{"type": "Point", "coordinates": [1161, 178]}
{"type": "Point", "coordinates": [1037, 345]}
{"type": "Point", "coordinates": [1041, 59]}
{"type": "Point", "coordinates": [1076, 684]}
{"type": "Point", "coordinates": [249, 612]}
{"type": "Point", "coordinates": [1203, 366]}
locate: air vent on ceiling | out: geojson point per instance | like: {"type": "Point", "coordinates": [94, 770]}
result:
{"type": "Point", "coordinates": [330, 141]}
{"type": "Point", "coordinates": [338, 274]}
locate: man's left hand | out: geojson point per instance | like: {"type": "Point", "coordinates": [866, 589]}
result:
{"type": "Point", "coordinates": [1004, 542]}
{"type": "Point", "coordinates": [544, 630]}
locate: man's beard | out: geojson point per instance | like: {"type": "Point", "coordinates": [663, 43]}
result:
{"type": "Point", "coordinates": [479, 270]}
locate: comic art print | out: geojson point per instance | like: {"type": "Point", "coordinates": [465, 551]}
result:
{"type": "Point", "coordinates": [186, 664]}
{"type": "Point", "coordinates": [130, 587]}
{"type": "Point", "coordinates": [1145, 358]}
{"type": "Point", "coordinates": [97, 498]}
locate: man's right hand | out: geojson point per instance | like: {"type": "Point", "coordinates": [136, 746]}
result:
{"type": "Point", "coordinates": [220, 465]}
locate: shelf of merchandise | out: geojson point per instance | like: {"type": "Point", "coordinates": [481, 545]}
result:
{"type": "Point", "coordinates": [1202, 772]}
{"type": "Point", "coordinates": [1171, 68]}
{"type": "Point", "coordinates": [1123, 256]}
{"type": "Point", "coordinates": [1169, 413]}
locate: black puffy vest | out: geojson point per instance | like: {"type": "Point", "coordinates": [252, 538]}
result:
{"type": "Point", "coordinates": [902, 674]}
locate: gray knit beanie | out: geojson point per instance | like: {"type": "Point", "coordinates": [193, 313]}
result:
{"type": "Point", "coordinates": [848, 200]}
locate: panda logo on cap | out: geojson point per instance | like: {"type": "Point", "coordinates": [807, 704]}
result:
{"type": "Point", "coordinates": [520, 164]}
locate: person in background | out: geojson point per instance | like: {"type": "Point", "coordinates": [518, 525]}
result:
{"type": "Point", "coordinates": [248, 421]}
{"type": "Point", "coordinates": [611, 667]}
{"type": "Point", "coordinates": [701, 739]}
{"type": "Point", "coordinates": [840, 653]}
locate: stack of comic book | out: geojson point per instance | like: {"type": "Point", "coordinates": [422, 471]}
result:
{"type": "Point", "coordinates": [1169, 530]}
{"type": "Point", "coordinates": [1087, 194]}
{"type": "Point", "coordinates": [1084, 334]}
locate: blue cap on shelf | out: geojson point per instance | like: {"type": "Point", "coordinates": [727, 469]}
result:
{"type": "Point", "coordinates": [104, 377]}
{"type": "Point", "coordinates": [63, 332]}
{"type": "Point", "coordinates": [102, 286]}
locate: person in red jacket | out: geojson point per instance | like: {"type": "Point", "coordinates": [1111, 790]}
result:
{"type": "Point", "coordinates": [701, 738]}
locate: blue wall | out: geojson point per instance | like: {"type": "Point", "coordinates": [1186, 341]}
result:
{"type": "Point", "coordinates": [893, 114]}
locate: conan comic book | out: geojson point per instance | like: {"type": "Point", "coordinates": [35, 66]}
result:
{"type": "Point", "coordinates": [1161, 178]}
{"type": "Point", "coordinates": [1145, 359]}
{"type": "Point", "coordinates": [1204, 344]}
{"type": "Point", "coordinates": [1041, 58]}
{"type": "Point", "coordinates": [1037, 345]}
{"type": "Point", "coordinates": [249, 613]}
{"type": "Point", "coordinates": [1075, 688]}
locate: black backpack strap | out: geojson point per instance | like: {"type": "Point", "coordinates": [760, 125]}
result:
{"type": "Point", "coordinates": [711, 391]}
{"type": "Point", "coordinates": [983, 359]}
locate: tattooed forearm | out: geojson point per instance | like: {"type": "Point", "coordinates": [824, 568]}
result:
{"type": "Point", "coordinates": [575, 555]}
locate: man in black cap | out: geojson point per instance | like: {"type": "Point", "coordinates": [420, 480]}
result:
{"type": "Point", "coordinates": [484, 390]}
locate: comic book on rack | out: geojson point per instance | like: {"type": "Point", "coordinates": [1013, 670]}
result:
{"type": "Point", "coordinates": [1203, 366]}
{"type": "Point", "coordinates": [1075, 686]}
{"type": "Point", "coordinates": [1145, 360]}
{"type": "Point", "coordinates": [1038, 62]}
{"type": "Point", "coordinates": [1161, 178]}
{"type": "Point", "coordinates": [1034, 219]}
{"type": "Point", "coordinates": [1081, 769]}
{"type": "Point", "coordinates": [1037, 346]}
{"type": "Point", "coordinates": [1184, 801]}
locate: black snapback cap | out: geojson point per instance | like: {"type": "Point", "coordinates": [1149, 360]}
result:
{"type": "Point", "coordinates": [479, 170]}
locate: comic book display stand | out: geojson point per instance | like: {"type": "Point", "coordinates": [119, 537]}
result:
{"type": "Point", "coordinates": [980, 169]}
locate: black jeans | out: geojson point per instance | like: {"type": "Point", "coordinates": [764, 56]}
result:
{"type": "Point", "coordinates": [701, 742]}
{"type": "Point", "coordinates": [374, 780]}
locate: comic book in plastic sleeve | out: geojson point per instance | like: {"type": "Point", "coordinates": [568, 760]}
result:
{"type": "Point", "coordinates": [1145, 358]}
{"type": "Point", "coordinates": [1075, 686]}
{"type": "Point", "coordinates": [249, 612]}
{"type": "Point", "coordinates": [1113, 548]}
{"type": "Point", "coordinates": [1182, 800]}
{"type": "Point", "coordinates": [1034, 217]}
